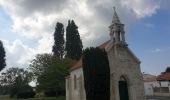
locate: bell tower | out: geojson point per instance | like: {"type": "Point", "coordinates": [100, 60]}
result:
{"type": "Point", "coordinates": [117, 32]}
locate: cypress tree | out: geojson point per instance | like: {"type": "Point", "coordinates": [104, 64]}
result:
{"type": "Point", "coordinates": [58, 47]}
{"type": "Point", "coordinates": [73, 42]}
{"type": "Point", "coordinates": [167, 70]}
{"type": "Point", "coordinates": [2, 56]}
{"type": "Point", "coordinates": [96, 74]}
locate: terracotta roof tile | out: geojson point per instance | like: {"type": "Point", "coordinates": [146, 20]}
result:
{"type": "Point", "coordinates": [102, 46]}
{"type": "Point", "coordinates": [150, 79]}
{"type": "Point", "coordinates": [78, 64]}
{"type": "Point", "coordinates": [165, 76]}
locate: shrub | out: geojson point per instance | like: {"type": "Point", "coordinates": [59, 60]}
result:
{"type": "Point", "coordinates": [24, 95]}
{"type": "Point", "coordinates": [50, 93]}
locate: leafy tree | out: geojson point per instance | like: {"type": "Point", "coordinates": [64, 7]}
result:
{"type": "Point", "coordinates": [40, 63]}
{"type": "Point", "coordinates": [19, 86]}
{"type": "Point", "coordinates": [2, 56]}
{"type": "Point", "coordinates": [12, 74]}
{"type": "Point", "coordinates": [58, 47]}
{"type": "Point", "coordinates": [53, 78]}
{"type": "Point", "coordinates": [49, 71]}
{"type": "Point", "coordinates": [96, 74]}
{"type": "Point", "coordinates": [73, 42]}
{"type": "Point", "coordinates": [16, 79]}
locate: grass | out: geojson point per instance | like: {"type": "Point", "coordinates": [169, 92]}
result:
{"type": "Point", "coordinates": [43, 98]}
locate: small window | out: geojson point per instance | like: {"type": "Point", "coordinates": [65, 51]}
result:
{"type": "Point", "coordinates": [75, 82]}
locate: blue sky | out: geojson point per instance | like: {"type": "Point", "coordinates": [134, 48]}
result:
{"type": "Point", "coordinates": [150, 41]}
{"type": "Point", "coordinates": [26, 27]}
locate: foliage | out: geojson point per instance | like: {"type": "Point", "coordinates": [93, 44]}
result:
{"type": "Point", "coordinates": [167, 69]}
{"type": "Point", "coordinates": [39, 64]}
{"type": "Point", "coordinates": [50, 72]}
{"type": "Point", "coordinates": [13, 75]}
{"type": "Point", "coordinates": [53, 78]}
{"type": "Point", "coordinates": [58, 47]}
{"type": "Point", "coordinates": [2, 57]}
{"type": "Point", "coordinates": [73, 42]}
{"type": "Point", "coordinates": [16, 79]}
{"type": "Point", "coordinates": [25, 95]}
{"type": "Point", "coordinates": [4, 90]}
{"type": "Point", "coordinates": [96, 74]}
{"type": "Point", "coordinates": [22, 91]}
{"type": "Point", "coordinates": [50, 93]}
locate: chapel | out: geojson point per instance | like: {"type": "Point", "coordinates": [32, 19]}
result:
{"type": "Point", "coordinates": [126, 82]}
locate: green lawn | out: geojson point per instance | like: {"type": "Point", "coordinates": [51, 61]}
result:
{"type": "Point", "coordinates": [43, 98]}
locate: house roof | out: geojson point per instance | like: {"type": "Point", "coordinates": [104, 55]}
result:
{"type": "Point", "coordinates": [78, 64]}
{"type": "Point", "coordinates": [150, 79]}
{"type": "Point", "coordinates": [164, 77]}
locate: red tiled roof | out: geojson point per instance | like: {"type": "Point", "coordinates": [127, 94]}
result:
{"type": "Point", "coordinates": [78, 64]}
{"type": "Point", "coordinates": [150, 79]}
{"type": "Point", "coordinates": [165, 76]}
{"type": "Point", "coordinates": [102, 46]}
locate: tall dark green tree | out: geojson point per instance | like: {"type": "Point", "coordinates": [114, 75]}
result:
{"type": "Point", "coordinates": [73, 42]}
{"type": "Point", "coordinates": [96, 74]}
{"type": "Point", "coordinates": [2, 56]}
{"type": "Point", "coordinates": [58, 47]}
{"type": "Point", "coordinates": [167, 70]}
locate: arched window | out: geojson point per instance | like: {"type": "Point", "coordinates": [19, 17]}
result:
{"type": "Point", "coordinates": [75, 82]}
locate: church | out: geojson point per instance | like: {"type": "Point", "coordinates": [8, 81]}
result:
{"type": "Point", "coordinates": [126, 82]}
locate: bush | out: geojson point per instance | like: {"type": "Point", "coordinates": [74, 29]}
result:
{"type": "Point", "coordinates": [24, 95]}
{"type": "Point", "coordinates": [50, 93]}
{"type": "Point", "coordinates": [61, 93]}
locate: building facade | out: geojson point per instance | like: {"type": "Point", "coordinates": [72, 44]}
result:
{"type": "Point", "coordinates": [157, 85]}
{"type": "Point", "coordinates": [125, 74]}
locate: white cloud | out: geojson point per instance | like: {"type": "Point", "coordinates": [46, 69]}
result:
{"type": "Point", "coordinates": [17, 54]}
{"type": "Point", "coordinates": [165, 49]}
{"type": "Point", "coordinates": [156, 50]}
{"type": "Point", "coordinates": [33, 18]}
{"type": "Point", "coordinates": [141, 8]}
{"type": "Point", "coordinates": [37, 18]}
{"type": "Point", "coordinates": [45, 44]}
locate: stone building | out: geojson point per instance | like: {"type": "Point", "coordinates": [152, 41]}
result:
{"type": "Point", "coordinates": [125, 74]}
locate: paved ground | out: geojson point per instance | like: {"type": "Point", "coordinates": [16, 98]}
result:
{"type": "Point", "coordinates": [158, 98]}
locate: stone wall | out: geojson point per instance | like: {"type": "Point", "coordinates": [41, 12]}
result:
{"type": "Point", "coordinates": [122, 63]}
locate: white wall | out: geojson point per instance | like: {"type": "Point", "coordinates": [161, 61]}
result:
{"type": "Point", "coordinates": [150, 85]}
{"type": "Point", "coordinates": [79, 92]}
{"type": "Point", "coordinates": [148, 88]}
